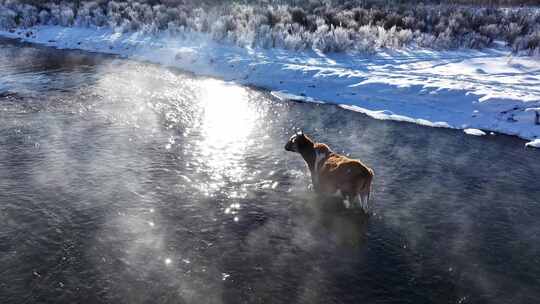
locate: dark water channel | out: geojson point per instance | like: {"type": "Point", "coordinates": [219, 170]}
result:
{"type": "Point", "coordinates": [127, 182]}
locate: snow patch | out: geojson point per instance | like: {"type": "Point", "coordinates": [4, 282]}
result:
{"type": "Point", "coordinates": [281, 95]}
{"type": "Point", "coordinates": [534, 144]}
{"type": "Point", "coordinates": [389, 115]}
{"type": "Point", "coordinates": [474, 132]}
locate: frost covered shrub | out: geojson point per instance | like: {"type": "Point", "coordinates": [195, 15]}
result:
{"type": "Point", "coordinates": [393, 20]}
{"type": "Point", "coordinates": [512, 31]}
{"type": "Point", "coordinates": [475, 41]}
{"type": "Point", "coordinates": [288, 37]}
{"type": "Point", "coordinates": [30, 17]}
{"type": "Point", "coordinates": [392, 38]}
{"type": "Point", "coordinates": [294, 41]}
{"type": "Point", "coordinates": [340, 40]}
{"type": "Point", "coordinates": [361, 16]}
{"type": "Point", "coordinates": [263, 37]}
{"type": "Point", "coordinates": [299, 16]}
{"type": "Point", "coordinates": [425, 40]}
{"type": "Point", "coordinates": [164, 16]}
{"type": "Point", "coordinates": [7, 18]}
{"type": "Point", "coordinates": [91, 14]}
{"type": "Point", "coordinates": [531, 43]}
{"type": "Point", "coordinates": [66, 16]}
{"type": "Point", "coordinates": [219, 29]}
{"type": "Point", "coordinates": [533, 40]}
{"type": "Point", "coordinates": [44, 17]}
{"type": "Point", "coordinates": [63, 15]}
{"type": "Point", "coordinates": [446, 40]}
{"type": "Point", "coordinates": [326, 25]}
{"type": "Point", "coordinates": [490, 30]}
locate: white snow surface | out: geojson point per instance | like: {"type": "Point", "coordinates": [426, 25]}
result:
{"type": "Point", "coordinates": [474, 132]}
{"type": "Point", "coordinates": [466, 89]}
{"type": "Point", "coordinates": [534, 143]}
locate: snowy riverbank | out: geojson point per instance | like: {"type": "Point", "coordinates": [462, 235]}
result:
{"type": "Point", "coordinates": [487, 90]}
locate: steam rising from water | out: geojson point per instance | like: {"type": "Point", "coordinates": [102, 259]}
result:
{"type": "Point", "coordinates": [144, 184]}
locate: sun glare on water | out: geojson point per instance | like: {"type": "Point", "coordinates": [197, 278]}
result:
{"type": "Point", "coordinates": [228, 120]}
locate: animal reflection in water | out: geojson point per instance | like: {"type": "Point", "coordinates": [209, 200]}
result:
{"type": "Point", "coordinates": [329, 219]}
{"type": "Point", "coordinates": [334, 174]}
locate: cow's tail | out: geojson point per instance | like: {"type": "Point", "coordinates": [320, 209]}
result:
{"type": "Point", "coordinates": [364, 187]}
{"type": "Point", "coordinates": [369, 181]}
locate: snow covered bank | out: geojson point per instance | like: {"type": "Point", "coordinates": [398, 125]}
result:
{"type": "Point", "coordinates": [487, 90]}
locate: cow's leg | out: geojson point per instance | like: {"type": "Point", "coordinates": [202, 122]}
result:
{"type": "Point", "coordinates": [363, 201]}
{"type": "Point", "coordinates": [348, 199]}
{"type": "Point", "coordinates": [366, 203]}
{"type": "Point", "coordinates": [347, 202]}
{"type": "Point", "coordinates": [315, 187]}
{"type": "Point", "coordinates": [363, 188]}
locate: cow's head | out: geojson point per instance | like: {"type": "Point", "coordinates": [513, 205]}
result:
{"type": "Point", "coordinates": [298, 142]}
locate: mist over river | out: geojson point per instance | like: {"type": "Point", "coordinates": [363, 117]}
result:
{"type": "Point", "coordinates": [128, 182]}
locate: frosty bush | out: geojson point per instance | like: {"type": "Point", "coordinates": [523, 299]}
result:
{"type": "Point", "coordinates": [325, 25]}
{"type": "Point", "coordinates": [299, 16]}
{"type": "Point", "coordinates": [294, 41]}
{"type": "Point", "coordinates": [490, 30]}
{"type": "Point", "coordinates": [66, 16]}
{"type": "Point", "coordinates": [7, 18]}
{"type": "Point", "coordinates": [44, 17]}
{"type": "Point", "coordinates": [330, 39]}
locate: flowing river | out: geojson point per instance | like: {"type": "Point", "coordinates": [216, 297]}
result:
{"type": "Point", "coordinates": [128, 182]}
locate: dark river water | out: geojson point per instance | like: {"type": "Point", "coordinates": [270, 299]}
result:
{"type": "Point", "coordinates": [127, 182]}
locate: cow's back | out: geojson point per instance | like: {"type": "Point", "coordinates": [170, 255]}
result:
{"type": "Point", "coordinates": [339, 171]}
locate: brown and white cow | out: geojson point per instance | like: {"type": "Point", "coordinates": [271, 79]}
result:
{"type": "Point", "coordinates": [332, 173]}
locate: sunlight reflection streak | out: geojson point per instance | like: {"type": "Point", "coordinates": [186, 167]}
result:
{"type": "Point", "coordinates": [227, 123]}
